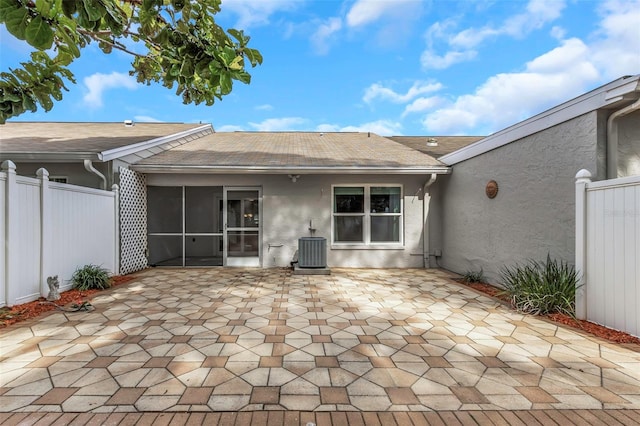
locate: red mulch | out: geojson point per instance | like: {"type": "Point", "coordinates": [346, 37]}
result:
{"type": "Point", "coordinates": [583, 325]}
{"type": "Point", "coordinates": [33, 309]}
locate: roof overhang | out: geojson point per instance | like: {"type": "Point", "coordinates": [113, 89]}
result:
{"type": "Point", "coordinates": [290, 170]}
{"type": "Point", "coordinates": [49, 157]}
{"type": "Point", "coordinates": [616, 93]}
{"type": "Point", "coordinates": [115, 153]}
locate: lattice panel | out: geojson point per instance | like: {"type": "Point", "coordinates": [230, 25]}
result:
{"type": "Point", "coordinates": [133, 221]}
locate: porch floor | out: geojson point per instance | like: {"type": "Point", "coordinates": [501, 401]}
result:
{"type": "Point", "coordinates": [362, 340]}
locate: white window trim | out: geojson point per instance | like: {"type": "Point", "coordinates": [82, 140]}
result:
{"type": "Point", "coordinates": [366, 225]}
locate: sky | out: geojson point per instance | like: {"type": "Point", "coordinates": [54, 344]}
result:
{"type": "Point", "coordinates": [391, 67]}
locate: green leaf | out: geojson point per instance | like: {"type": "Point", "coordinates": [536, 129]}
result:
{"type": "Point", "coordinates": [95, 11]}
{"type": "Point", "coordinates": [225, 83]}
{"type": "Point", "coordinates": [254, 56]}
{"type": "Point", "coordinates": [69, 7]}
{"type": "Point", "coordinates": [16, 22]}
{"type": "Point", "coordinates": [39, 34]}
{"type": "Point", "coordinates": [243, 77]}
{"type": "Point", "coordinates": [7, 6]}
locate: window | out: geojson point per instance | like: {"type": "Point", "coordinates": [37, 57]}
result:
{"type": "Point", "coordinates": [367, 214]}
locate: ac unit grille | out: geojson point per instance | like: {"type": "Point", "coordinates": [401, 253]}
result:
{"type": "Point", "coordinates": [312, 252]}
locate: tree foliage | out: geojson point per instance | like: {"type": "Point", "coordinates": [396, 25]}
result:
{"type": "Point", "coordinates": [173, 42]}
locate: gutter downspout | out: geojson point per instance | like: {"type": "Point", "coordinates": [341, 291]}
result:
{"type": "Point", "coordinates": [88, 165]}
{"type": "Point", "coordinates": [612, 138]}
{"type": "Point", "coordinates": [426, 198]}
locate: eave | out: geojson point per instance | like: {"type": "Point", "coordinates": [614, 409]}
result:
{"type": "Point", "coordinates": [290, 170]}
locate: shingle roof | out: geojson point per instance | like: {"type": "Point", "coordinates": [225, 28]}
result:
{"type": "Point", "coordinates": [290, 150]}
{"type": "Point", "coordinates": [446, 144]}
{"type": "Point", "coordinates": [50, 137]}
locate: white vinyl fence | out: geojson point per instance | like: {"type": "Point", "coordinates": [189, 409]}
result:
{"type": "Point", "coordinates": [608, 251]}
{"type": "Point", "coordinates": [51, 229]}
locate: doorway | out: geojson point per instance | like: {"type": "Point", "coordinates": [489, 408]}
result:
{"type": "Point", "coordinates": [203, 226]}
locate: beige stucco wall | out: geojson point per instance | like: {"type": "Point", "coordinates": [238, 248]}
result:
{"type": "Point", "coordinates": [287, 209]}
{"type": "Point", "coordinates": [533, 213]}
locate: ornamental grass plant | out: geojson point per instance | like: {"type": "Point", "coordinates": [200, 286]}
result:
{"type": "Point", "coordinates": [541, 288]}
{"type": "Point", "coordinates": [91, 277]}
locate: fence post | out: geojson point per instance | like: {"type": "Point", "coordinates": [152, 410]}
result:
{"type": "Point", "coordinates": [11, 231]}
{"type": "Point", "coordinates": [583, 178]}
{"type": "Point", "coordinates": [45, 230]}
{"type": "Point", "coordinates": [116, 207]}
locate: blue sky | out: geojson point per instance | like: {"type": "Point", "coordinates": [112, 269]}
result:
{"type": "Point", "coordinates": [393, 67]}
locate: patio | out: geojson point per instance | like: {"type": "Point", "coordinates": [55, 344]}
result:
{"type": "Point", "coordinates": [360, 340]}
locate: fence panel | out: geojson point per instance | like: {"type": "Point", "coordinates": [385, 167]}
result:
{"type": "Point", "coordinates": [25, 241]}
{"type": "Point", "coordinates": [610, 257]}
{"type": "Point", "coordinates": [51, 229]}
{"type": "Point", "coordinates": [3, 286]}
{"type": "Point", "coordinates": [83, 230]}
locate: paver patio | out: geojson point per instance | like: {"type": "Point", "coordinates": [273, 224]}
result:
{"type": "Point", "coordinates": [220, 340]}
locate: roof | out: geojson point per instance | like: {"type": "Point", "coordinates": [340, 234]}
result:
{"type": "Point", "coordinates": [615, 94]}
{"type": "Point", "coordinates": [445, 144]}
{"type": "Point", "coordinates": [69, 141]}
{"type": "Point", "coordinates": [292, 152]}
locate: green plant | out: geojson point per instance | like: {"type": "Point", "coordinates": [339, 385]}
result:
{"type": "Point", "coordinates": [542, 287]}
{"type": "Point", "coordinates": [473, 276]}
{"type": "Point", "coordinates": [91, 277]}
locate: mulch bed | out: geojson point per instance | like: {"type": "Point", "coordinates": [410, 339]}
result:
{"type": "Point", "coordinates": [36, 308]}
{"type": "Point", "coordinates": [583, 325]}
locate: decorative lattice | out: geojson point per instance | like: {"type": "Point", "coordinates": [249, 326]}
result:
{"type": "Point", "coordinates": [133, 221]}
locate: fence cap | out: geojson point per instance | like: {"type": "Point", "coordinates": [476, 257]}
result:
{"type": "Point", "coordinates": [8, 165]}
{"type": "Point", "coordinates": [583, 175]}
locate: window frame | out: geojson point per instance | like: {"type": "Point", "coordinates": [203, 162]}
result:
{"type": "Point", "coordinates": [366, 215]}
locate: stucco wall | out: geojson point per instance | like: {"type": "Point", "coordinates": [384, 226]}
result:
{"type": "Point", "coordinates": [287, 209]}
{"type": "Point", "coordinates": [533, 213]}
{"type": "Point", "coordinates": [75, 173]}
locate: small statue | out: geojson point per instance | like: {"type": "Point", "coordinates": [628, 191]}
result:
{"type": "Point", "coordinates": [54, 286]}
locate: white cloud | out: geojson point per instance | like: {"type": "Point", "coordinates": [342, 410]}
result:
{"type": "Point", "coordinates": [146, 119]}
{"type": "Point", "coordinates": [461, 46]}
{"type": "Point", "coordinates": [97, 83]}
{"type": "Point", "coordinates": [253, 13]}
{"type": "Point", "coordinates": [422, 105]}
{"type": "Point", "coordinates": [379, 127]}
{"type": "Point", "coordinates": [418, 88]}
{"type": "Point", "coordinates": [279, 124]}
{"type": "Point", "coordinates": [264, 107]}
{"type": "Point", "coordinates": [365, 12]}
{"type": "Point", "coordinates": [507, 98]}
{"type": "Point", "coordinates": [615, 50]}
{"type": "Point", "coordinates": [431, 60]}
{"type": "Point", "coordinates": [325, 34]}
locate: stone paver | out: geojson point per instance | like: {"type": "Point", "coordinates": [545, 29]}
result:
{"type": "Point", "coordinates": [383, 344]}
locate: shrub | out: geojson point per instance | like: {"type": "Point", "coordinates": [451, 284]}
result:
{"type": "Point", "coordinates": [473, 276]}
{"type": "Point", "coordinates": [542, 287]}
{"type": "Point", "coordinates": [91, 277]}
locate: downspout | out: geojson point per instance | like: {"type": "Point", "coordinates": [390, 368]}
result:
{"type": "Point", "coordinates": [612, 138]}
{"type": "Point", "coordinates": [426, 198]}
{"type": "Point", "coordinates": [89, 167]}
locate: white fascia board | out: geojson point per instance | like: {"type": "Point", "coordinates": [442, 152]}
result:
{"type": "Point", "coordinates": [591, 101]}
{"type": "Point", "coordinates": [290, 170]}
{"type": "Point", "coordinates": [49, 157]}
{"type": "Point", "coordinates": [112, 154]}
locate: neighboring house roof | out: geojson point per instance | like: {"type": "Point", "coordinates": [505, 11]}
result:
{"type": "Point", "coordinates": [616, 94]}
{"type": "Point", "coordinates": [291, 152]}
{"type": "Point", "coordinates": [51, 141]}
{"type": "Point", "coordinates": [435, 146]}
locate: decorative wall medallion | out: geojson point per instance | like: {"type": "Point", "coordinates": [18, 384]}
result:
{"type": "Point", "coordinates": [492, 189]}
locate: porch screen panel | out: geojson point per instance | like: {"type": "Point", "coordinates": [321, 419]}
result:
{"type": "Point", "coordinates": [133, 221]}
